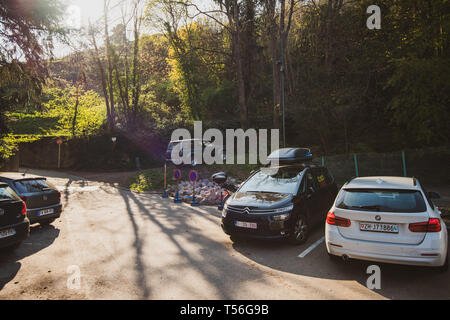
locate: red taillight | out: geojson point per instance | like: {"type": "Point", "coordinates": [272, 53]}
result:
{"type": "Point", "coordinates": [432, 225]}
{"type": "Point", "coordinates": [337, 221]}
{"type": "Point", "coordinates": [59, 195]}
{"type": "Point", "coordinates": [24, 208]}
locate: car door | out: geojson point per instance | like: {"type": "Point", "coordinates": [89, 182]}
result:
{"type": "Point", "coordinates": [326, 190]}
{"type": "Point", "coordinates": [312, 198]}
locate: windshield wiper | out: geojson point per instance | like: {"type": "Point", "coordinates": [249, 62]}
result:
{"type": "Point", "coordinates": [262, 191]}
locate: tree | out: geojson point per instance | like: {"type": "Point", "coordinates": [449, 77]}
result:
{"type": "Point", "coordinates": [24, 26]}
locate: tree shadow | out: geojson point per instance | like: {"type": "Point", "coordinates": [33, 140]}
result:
{"type": "Point", "coordinates": [40, 238]}
{"type": "Point", "coordinates": [214, 264]}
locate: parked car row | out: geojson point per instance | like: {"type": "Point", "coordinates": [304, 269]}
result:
{"type": "Point", "coordinates": [25, 200]}
{"type": "Point", "coordinates": [383, 219]}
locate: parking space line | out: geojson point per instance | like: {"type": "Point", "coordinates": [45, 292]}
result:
{"type": "Point", "coordinates": [311, 248]}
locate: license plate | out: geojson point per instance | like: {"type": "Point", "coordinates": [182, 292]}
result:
{"type": "Point", "coordinates": [45, 212]}
{"type": "Point", "coordinates": [7, 233]}
{"type": "Point", "coordinates": [250, 225]}
{"type": "Point", "coordinates": [379, 227]}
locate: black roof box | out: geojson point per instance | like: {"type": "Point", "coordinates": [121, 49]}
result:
{"type": "Point", "coordinates": [291, 155]}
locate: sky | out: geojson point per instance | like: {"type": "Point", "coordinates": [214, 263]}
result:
{"type": "Point", "coordinates": [81, 12]}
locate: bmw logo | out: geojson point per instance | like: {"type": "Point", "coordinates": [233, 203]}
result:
{"type": "Point", "coordinates": [378, 218]}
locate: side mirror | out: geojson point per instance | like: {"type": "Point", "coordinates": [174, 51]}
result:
{"type": "Point", "coordinates": [433, 195]}
{"type": "Point", "coordinates": [220, 178]}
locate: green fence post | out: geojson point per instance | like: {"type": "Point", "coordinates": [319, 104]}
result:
{"type": "Point", "coordinates": [404, 163]}
{"type": "Point", "coordinates": [323, 161]}
{"type": "Point", "coordinates": [356, 164]}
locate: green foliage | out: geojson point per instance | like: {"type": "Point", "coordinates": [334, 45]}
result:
{"type": "Point", "coordinates": [147, 180]}
{"type": "Point", "coordinates": [60, 104]}
{"type": "Point", "coordinates": [421, 98]}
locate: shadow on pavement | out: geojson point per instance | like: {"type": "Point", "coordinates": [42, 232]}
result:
{"type": "Point", "coordinates": [397, 281]}
{"type": "Point", "coordinates": [40, 238]}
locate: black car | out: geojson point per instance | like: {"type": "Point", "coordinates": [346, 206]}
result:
{"type": "Point", "coordinates": [282, 203]}
{"type": "Point", "coordinates": [14, 224]}
{"type": "Point", "coordinates": [194, 145]}
{"type": "Point", "coordinates": [43, 200]}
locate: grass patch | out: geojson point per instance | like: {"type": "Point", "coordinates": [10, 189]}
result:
{"type": "Point", "coordinates": [147, 180]}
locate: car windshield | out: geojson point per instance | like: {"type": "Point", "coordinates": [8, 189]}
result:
{"type": "Point", "coordinates": [6, 193]}
{"type": "Point", "coordinates": [381, 200]}
{"type": "Point", "coordinates": [34, 185]}
{"type": "Point", "coordinates": [285, 180]}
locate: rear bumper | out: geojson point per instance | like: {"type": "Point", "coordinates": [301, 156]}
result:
{"type": "Point", "coordinates": [434, 244]}
{"type": "Point", "coordinates": [22, 232]}
{"type": "Point", "coordinates": [34, 216]}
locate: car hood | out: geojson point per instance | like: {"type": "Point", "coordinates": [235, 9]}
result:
{"type": "Point", "coordinates": [263, 200]}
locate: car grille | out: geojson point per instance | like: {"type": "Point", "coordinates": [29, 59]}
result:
{"type": "Point", "coordinates": [248, 210]}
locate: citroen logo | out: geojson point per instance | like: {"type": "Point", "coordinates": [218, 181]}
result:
{"type": "Point", "coordinates": [247, 210]}
{"type": "Point", "coordinates": [378, 218]}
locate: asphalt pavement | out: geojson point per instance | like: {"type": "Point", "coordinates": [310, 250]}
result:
{"type": "Point", "coordinates": [123, 245]}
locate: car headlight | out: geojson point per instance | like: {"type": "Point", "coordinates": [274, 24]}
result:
{"type": "Point", "coordinates": [285, 213]}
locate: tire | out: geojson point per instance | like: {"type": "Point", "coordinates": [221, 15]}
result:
{"type": "Point", "coordinates": [46, 222]}
{"type": "Point", "coordinates": [12, 247]}
{"type": "Point", "coordinates": [300, 231]}
{"type": "Point", "coordinates": [443, 268]}
{"type": "Point", "coordinates": [235, 239]}
{"type": "Point", "coordinates": [332, 257]}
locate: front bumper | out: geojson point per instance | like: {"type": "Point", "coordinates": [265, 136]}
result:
{"type": "Point", "coordinates": [266, 229]}
{"type": "Point", "coordinates": [33, 214]}
{"type": "Point", "coordinates": [22, 232]}
{"type": "Point", "coordinates": [434, 243]}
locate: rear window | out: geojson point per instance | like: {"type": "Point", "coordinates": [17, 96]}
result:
{"type": "Point", "coordinates": [6, 193]}
{"type": "Point", "coordinates": [381, 200]}
{"type": "Point", "coordinates": [35, 185]}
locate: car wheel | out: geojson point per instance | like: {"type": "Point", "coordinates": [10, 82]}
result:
{"type": "Point", "coordinates": [235, 238]}
{"type": "Point", "coordinates": [12, 247]}
{"type": "Point", "coordinates": [333, 257]}
{"type": "Point", "coordinates": [46, 222]}
{"type": "Point", "coordinates": [444, 268]}
{"type": "Point", "coordinates": [300, 231]}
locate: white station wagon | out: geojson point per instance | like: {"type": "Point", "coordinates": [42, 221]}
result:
{"type": "Point", "coordinates": [387, 219]}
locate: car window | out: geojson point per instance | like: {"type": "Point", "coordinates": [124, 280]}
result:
{"type": "Point", "coordinates": [6, 193]}
{"type": "Point", "coordinates": [381, 200]}
{"type": "Point", "coordinates": [34, 185]}
{"type": "Point", "coordinates": [308, 182]}
{"type": "Point", "coordinates": [285, 180]}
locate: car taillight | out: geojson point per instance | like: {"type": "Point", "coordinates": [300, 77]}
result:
{"type": "Point", "coordinates": [337, 221]}
{"type": "Point", "coordinates": [59, 195]}
{"type": "Point", "coordinates": [432, 225]}
{"type": "Point", "coordinates": [24, 208]}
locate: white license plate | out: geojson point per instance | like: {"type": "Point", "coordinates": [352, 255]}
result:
{"type": "Point", "coordinates": [45, 212]}
{"type": "Point", "coordinates": [7, 233]}
{"type": "Point", "coordinates": [379, 227]}
{"type": "Point", "coordinates": [250, 225]}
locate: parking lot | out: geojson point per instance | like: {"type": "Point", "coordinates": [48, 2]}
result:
{"type": "Point", "coordinates": [140, 246]}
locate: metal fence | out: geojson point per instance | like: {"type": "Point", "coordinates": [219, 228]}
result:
{"type": "Point", "coordinates": [429, 165]}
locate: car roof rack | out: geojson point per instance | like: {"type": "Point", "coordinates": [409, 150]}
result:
{"type": "Point", "coordinates": [291, 155]}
